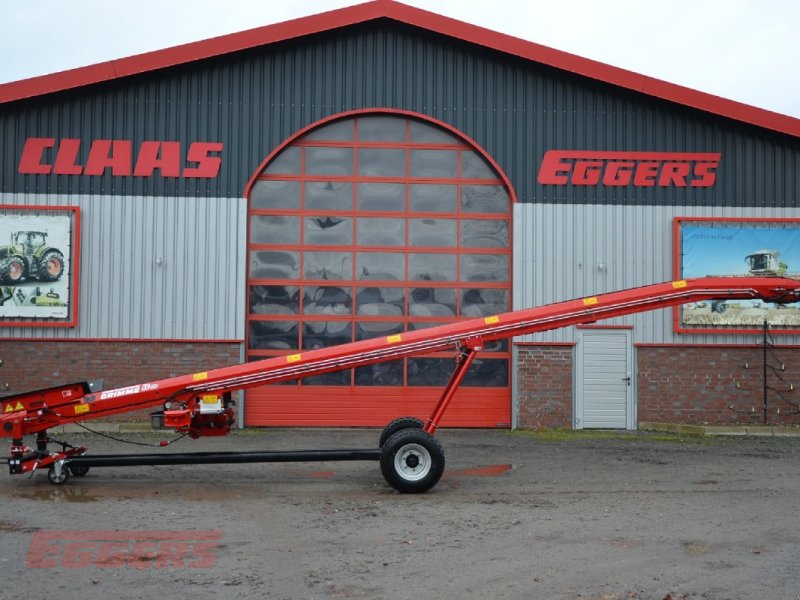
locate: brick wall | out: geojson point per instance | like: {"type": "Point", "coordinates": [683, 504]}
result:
{"type": "Point", "coordinates": [698, 385]}
{"type": "Point", "coordinates": [33, 364]}
{"type": "Point", "coordinates": [544, 387]}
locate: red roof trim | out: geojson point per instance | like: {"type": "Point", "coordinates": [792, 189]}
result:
{"type": "Point", "coordinates": [150, 61]}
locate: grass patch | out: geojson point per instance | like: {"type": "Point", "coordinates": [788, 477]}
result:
{"type": "Point", "coordinates": [571, 435]}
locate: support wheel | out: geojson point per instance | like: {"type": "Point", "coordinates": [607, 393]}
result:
{"type": "Point", "coordinates": [398, 425]}
{"type": "Point", "coordinates": [58, 474]}
{"type": "Point", "coordinates": [78, 470]}
{"type": "Point", "coordinates": [412, 461]}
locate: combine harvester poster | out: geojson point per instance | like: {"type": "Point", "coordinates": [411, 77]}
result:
{"type": "Point", "coordinates": [738, 248]}
{"type": "Point", "coordinates": [35, 274]}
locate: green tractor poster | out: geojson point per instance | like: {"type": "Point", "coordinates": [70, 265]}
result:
{"type": "Point", "coordinates": [35, 274]}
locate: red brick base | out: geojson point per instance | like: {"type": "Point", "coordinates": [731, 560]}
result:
{"type": "Point", "coordinates": [544, 386]}
{"type": "Point", "coordinates": [34, 365]}
{"type": "Point", "coordinates": [698, 385]}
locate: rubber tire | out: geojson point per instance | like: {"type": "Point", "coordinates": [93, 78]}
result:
{"type": "Point", "coordinates": [51, 475]}
{"type": "Point", "coordinates": [401, 441]}
{"type": "Point", "coordinates": [47, 257]}
{"type": "Point", "coordinates": [78, 470]}
{"type": "Point", "coordinates": [5, 269]}
{"type": "Point", "coordinates": [399, 425]}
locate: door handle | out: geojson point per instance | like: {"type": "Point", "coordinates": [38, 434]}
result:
{"type": "Point", "coordinates": [628, 379]}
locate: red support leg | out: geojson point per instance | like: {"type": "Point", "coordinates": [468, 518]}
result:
{"type": "Point", "coordinates": [463, 361]}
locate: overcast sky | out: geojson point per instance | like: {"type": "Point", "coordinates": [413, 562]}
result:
{"type": "Point", "coordinates": [745, 50]}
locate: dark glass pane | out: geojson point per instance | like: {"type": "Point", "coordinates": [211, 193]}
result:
{"type": "Point", "coordinates": [274, 299]}
{"type": "Point", "coordinates": [431, 267]}
{"type": "Point", "coordinates": [269, 264]}
{"type": "Point", "coordinates": [495, 346]}
{"type": "Point", "coordinates": [484, 234]}
{"type": "Point", "coordinates": [484, 199]}
{"type": "Point", "coordinates": [425, 197]}
{"type": "Point", "coordinates": [487, 372]}
{"type": "Point", "coordinates": [276, 229]}
{"type": "Point", "coordinates": [328, 231]}
{"type": "Point", "coordinates": [484, 267]}
{"type": "Point", "coordinates": [423, 325]}
{"type": "Point", "coordinates": [321, 334]}
{"type": "Point", "coordinates": [381, 162]}
{"type": "Point", "coordinates": [374, 302]}
{"type": "Point", "coordinates": [432, 232]}
{"type": "Point", "coordinates": [381, 196]}
{"type": "Point", "coordinates": [275, 194]}
{"type": "Point", "coordinates": [442, 164]}
{"type": "Point", "coordinates": [328, 195]}
{"type": "Point", "coordinates": [335, 378]}
{"type": "Point", "coordinates": [385, 373]}
{"type": "Point", "coordinates": [327, 300]}
{"type": "Point", "coordinates": [338, 131]}
{"type": "Point", "coordinates": [329, 161]}
{"type": "Point", "coordinates": [422, 133]}
{"type": "Point", "coordinates": [380, 232]}
{"type": "Point", "coordinates": [382, 129]}
{"type": "Point", "coordinates": [473, 166]}
{"type": "Point", "coordinates": [272, 335]}
{"type": "Point", "coordinates": [328, 265]}
{"type": "Point", "coordinates": [366, 330]}
{"type": "Point", "coordinates": [430, 371]}
{"type": "Point", "coordinates": [483, 302]}
{"type": "Point", "coordinates": [287, 162]}
{"type": "Point", "coordinates": [380, 266]}
{"type": "Point", "coordinates": [432, 302]}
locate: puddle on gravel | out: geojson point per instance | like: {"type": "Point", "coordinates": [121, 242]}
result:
{"type": "Point", "coordinates": [487, 471]}
{"type": "Point", "coordinates": [57, 494]}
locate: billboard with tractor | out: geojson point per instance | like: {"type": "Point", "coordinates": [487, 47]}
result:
{"type": "Point", "coordinates": [35, 274]}
{"type": "Point", "coordinates": [738, 248]}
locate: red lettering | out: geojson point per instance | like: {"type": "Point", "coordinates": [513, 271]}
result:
{"type": "Point", "coordinates": [143, 555]}
{"type": "Point", "coordinates": [207, 166]}
{"type": "Point", "coordinates": [111, 554]}
{"type": "Point", "coordinates": [673, 173]}
{"type": "Point", "coordinates": [551, 169]}
{"type": "Point", "coordinates": [646, 173]}
{"type": "Point", "coordinates": [78, 555]}
{"type": "Point", "coordinates": [30, 163]}
{"type": "Point", "coordinates": [706, 172]}
{"type": "Point", "coordinates": [587, 172]}
{"type": "Point", "coordinates": [172, 554]}
{"type": "Point", "coordinates": [618, 173]}
{"type": "Point", "coordinates": [165, 156]}
{"type": "Point", "coordinates": [205, 554]}
{"type": "Point", "coordinates": [67, 157]}
{"type": "Point", "coordinates": [43, 551]}
{"type": "Point", "coordinates": [109, 153]}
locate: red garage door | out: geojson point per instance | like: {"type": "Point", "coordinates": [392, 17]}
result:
{"type": "Point", "coordinates": [369, 225]}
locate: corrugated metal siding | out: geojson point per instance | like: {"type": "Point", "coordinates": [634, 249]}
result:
{"type": "Point", "coordinates": [516, 109]}
{"type": "Point", "coordinates": [197, 293]}
{"type": "Point", "coordinates": [558, 247]}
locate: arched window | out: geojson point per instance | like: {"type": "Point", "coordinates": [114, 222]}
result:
{"type": "Point", "coordinates": [371, 225]}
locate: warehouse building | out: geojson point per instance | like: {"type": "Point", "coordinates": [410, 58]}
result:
{"type": "Point", "coordinates": [380, 169]}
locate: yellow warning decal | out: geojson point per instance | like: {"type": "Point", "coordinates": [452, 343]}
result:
{"type": "Point", "coordinates": [679, 284]}
{"type": "Point", "coordinates": [393, 339]}
{"type": "Point", "coordinates": [211, 399]}
{"type": "Point", "coordinates": [293, 358]}
{"type": "Point", "coordinates": [200, 376]}
{"type": "Point", "coordinates": [491, 320]}
{"type": "Point", "coordinates": [81, 408]}
{"type": "Point", "coordinates": [11, 407]}
{"type": "Point", "coordinates": [590, 301]}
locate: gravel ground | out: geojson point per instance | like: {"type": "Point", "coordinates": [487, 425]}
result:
{"type": "Point", "coordinates": [516, 515]}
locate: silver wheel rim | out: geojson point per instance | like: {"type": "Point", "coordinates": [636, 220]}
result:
{"type": "Point", "coordinates": [412, 462]}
